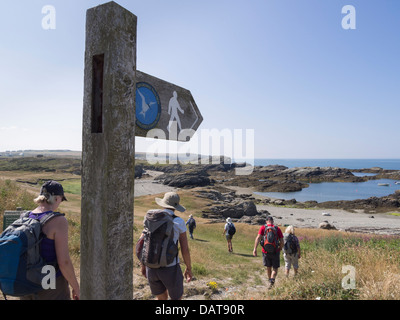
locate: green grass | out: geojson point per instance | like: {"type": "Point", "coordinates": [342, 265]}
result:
{"type": "Point", "coordinates": [375, 258]}
{"type": "Point", "coordinates": [394, 214]}
{"type": "Point", "coordinates": [210, 256]}
{"type": "Point", "coordinates": [199, 269]}
{"type": "Point", "coordinates": [337, 242]}
{"type": "Point", "coordinates": [11, 197]}
{"type": "Point", "coordinates": [44, 164]}
{"type": "Point", "coordinates": [72, 186]}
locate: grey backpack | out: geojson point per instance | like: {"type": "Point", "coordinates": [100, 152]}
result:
{"type": "Point", "coordinates": [289, 246]}
{"type": "Point", "coordinates": [157, 248]}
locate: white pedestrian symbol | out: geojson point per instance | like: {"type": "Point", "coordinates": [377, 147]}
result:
{"type": "Point", "coordinates": [145, 106]}
{"type": "Point", "coordinates": [173, 108]}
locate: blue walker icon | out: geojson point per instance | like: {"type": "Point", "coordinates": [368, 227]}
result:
{"type": "Point", "coordinates": [148, 106]}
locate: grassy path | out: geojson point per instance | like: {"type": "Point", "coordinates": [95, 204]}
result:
{"type": "Point", "coordinates": [374, 259]}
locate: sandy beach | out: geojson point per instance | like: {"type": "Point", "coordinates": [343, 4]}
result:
{"type": "Point", "coordinates": [147, 185]}
{"type": "Point", "coordinates": [340, 219]}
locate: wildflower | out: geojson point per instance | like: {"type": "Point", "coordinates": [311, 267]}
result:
{"type": "Point", "coordinates": [212, 285]}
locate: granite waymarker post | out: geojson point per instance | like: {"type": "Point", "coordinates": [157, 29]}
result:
{"type": "Point", "coordinates": [117, 101]}
{"type": "Point", "coordinates": [108, 153]}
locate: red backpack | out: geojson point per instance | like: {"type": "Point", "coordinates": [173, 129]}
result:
{"type": "Point", "coordinates": [270, 239]}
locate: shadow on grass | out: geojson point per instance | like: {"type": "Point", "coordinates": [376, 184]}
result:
{"type": "Point", "coordinates": [200, 240]}
{"type": "Point", "coordinates": [243, 254]}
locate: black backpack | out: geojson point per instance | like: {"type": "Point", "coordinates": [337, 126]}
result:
{"type": "Point", "coordinates": [192, 223]}
{"type": "Point", "coordinates": [231, 229]}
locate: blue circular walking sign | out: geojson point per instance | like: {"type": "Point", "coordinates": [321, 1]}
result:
{"type": "Point", "coordinates": [148, 106]}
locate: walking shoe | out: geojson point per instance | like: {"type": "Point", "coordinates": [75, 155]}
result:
{"type": "Point", "coordinates": [271, 283]}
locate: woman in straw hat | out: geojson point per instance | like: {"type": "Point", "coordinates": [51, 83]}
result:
{"type": "Point", "coordinates": [168, 281]}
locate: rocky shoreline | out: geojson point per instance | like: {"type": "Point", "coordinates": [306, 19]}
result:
{"type": "Point", "coordinates": [277, 178]}
{"type": "Point", "coordinates": [233, 196]}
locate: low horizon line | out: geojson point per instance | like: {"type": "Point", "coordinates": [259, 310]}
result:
{"type": "Point", "coordinates": [255, 158]}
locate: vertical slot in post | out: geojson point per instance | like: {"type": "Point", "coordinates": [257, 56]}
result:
{"type": "Point", "coordinates": [97, 94]}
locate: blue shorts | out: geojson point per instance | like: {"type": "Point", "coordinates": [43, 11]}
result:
{"type": "Point", "coordinates": [167, 278]}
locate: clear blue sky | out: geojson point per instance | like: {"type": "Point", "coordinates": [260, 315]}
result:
{"type": "Point", "coordinates": [283, 68]}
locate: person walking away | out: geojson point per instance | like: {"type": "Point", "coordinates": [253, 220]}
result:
{"type": "Point", "coordinates": [167, 280]}
{"type": "Point", "coordinates": [229, 231]}
{"type": "Point", "coordinates": [291, 250]}
{"type": "Point", "coordinates": [54, 246]}
{"type": "Point", "coordinates": [191, 223]}
{"type": "Point", "coordinates": [270, 237]}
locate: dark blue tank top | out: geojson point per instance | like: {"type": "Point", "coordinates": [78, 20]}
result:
{"type": "Point", "coordinates": [47, 246]}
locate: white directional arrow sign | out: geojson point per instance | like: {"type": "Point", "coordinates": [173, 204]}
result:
{"type": "Point", "coordinates": [163, 105]}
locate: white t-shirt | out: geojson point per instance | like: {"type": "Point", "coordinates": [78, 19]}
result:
{"type": "Point", "coordinates": [179, 227]}
{"type": "Point", "coordinates": [226, 226]}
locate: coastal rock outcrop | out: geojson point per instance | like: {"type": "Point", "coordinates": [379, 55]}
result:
{"type": "Point", "coordinates": [320, 174]}
{"type": "Point", "coordinates": [276, 178]}
{"type": "Point", "coordinates": [234, 210]}
{"type": "Point", "coordinates": [372, 204]}
{"type": "Point", "coordinates": [197, 177]}
{"type": "Point", "coordinates": [138, 171]}
{"type": "Point", "coordinates": [255, 220]}
{"type": "Point", "coordinates": [227, 204]}
{"type": "Point", "coordinates": [326, 225]}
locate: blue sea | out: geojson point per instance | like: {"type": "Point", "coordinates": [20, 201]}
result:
{"type": "Point", "coordinates": [334, 191]}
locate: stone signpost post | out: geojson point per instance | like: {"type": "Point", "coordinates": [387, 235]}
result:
{"type": "Point", "coordinates": [112, 89]}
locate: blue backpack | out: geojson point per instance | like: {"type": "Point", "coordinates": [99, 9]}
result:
{"type": "Point", "coordinates": [20, 260]}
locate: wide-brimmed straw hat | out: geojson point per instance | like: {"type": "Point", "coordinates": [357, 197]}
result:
{"type": "Point", "coordinates": [170, 201]}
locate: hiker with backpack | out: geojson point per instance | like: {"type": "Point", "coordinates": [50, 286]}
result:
{"type": "Point", "coordinates": [40, 238]}
{"type": "Point", "coordinates": [157, 249]}
{"type": "Point", "coordinates": [191, 223]}
{"type": "Point", "coordinates": [229, 231]}
{"type": "Point", "coordinates": [291, 250]}
{"type": "Point", "coordinates": [270, 237]}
